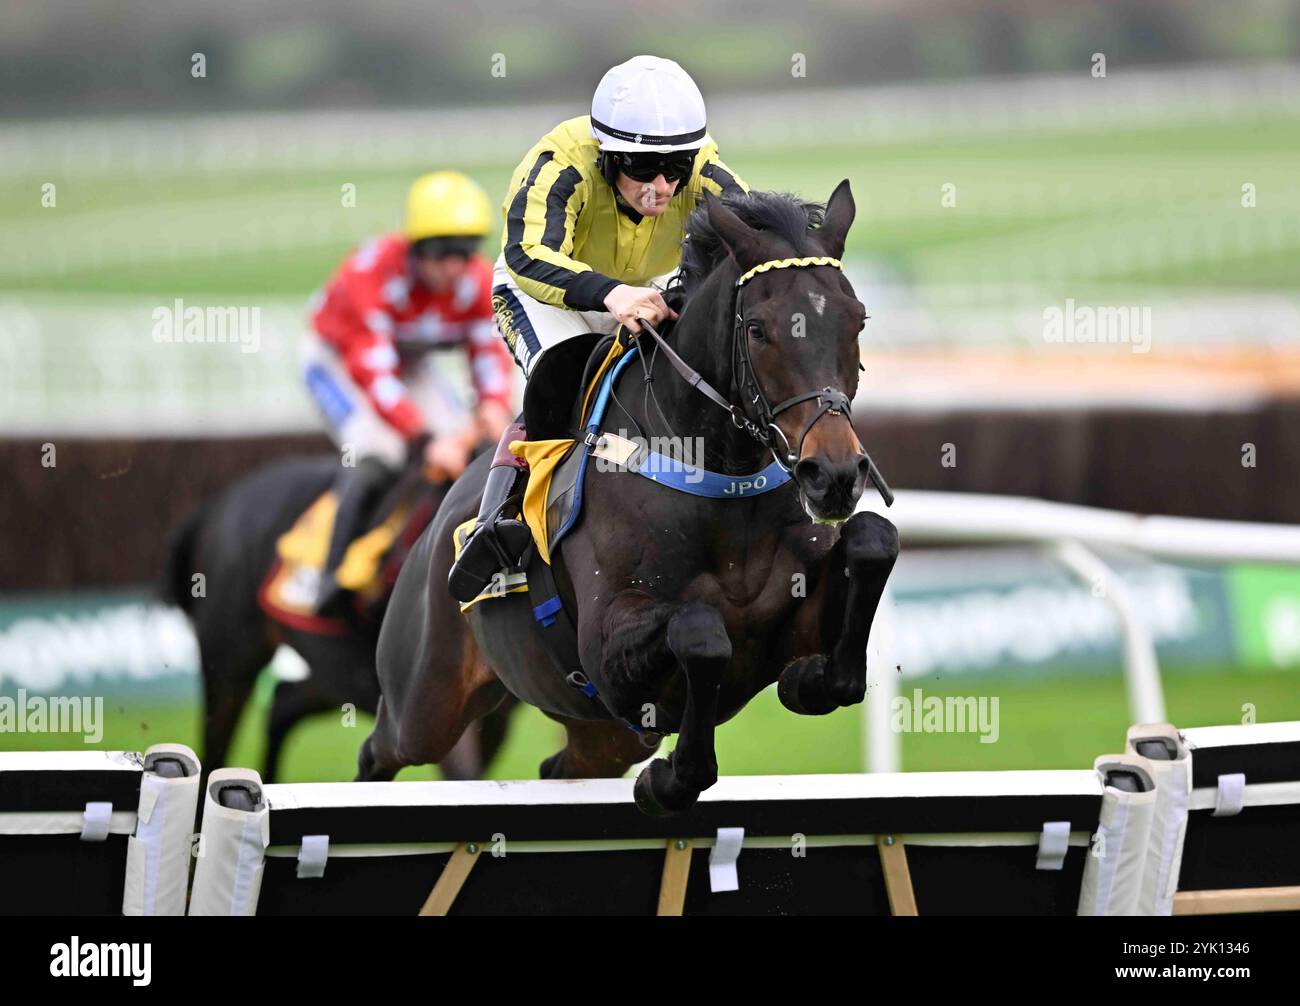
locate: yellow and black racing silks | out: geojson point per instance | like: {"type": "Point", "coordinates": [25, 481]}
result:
{"type": "Point", "coordinates": [568, 242]}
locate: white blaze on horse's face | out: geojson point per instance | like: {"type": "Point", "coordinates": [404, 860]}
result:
{"type": "Point", "coordinates": [831, 470]}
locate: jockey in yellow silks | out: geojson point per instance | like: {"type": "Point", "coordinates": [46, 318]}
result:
{"type": "Point", "coordinates": [594, 219]}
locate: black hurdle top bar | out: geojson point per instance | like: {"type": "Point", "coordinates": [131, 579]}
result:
{"type": "Point", "coordinates": [1264, 752]}
{"type": "Point", "coordinates": [51, 781]}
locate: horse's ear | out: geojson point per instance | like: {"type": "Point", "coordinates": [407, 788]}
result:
{"type": "Point", "coordinates": [741, 240]}
{"type": "Point", "coordinates": [835, 226]}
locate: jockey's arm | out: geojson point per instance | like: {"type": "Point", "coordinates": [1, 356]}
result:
{"type": "Point", "coordinates": [540, 227]}
{"type": "Point", "coordinates": [492, 369]}
{"type": "Point", "coordinates": [372, 361]}
{"type": "Point", "coordinates": [370, 354]}
{"type": "Point", "coordinates": [717, 178]}
{"type": "Point", "coordinates": [492, 372]}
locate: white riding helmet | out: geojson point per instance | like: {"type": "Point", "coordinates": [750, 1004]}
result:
{"type": "Point", "coordinates": [648, 104]}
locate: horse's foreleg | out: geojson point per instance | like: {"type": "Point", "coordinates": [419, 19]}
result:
{"type": "Point", "coordinates": [293, 702]}
{"type": "Point", "coordinates": [698, 640]}
{"type": "Point", "coordinates": [816, 685]}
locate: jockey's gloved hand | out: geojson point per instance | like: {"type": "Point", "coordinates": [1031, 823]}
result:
{"type": "Point", "coordinates": [446, 457]}
{"type": "Point", "coordinates": [631, 304]}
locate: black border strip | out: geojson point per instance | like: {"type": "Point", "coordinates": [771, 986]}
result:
{"type": "Point", "coordinates": [30, 791]}
{"type": "Point", "coordinates": [647, 140]}
{"type": "Point", "coordinates": [1261, 763]}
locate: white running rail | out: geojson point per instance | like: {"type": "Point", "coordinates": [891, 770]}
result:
{"type": "Point", "coordinates": [1069, 533]}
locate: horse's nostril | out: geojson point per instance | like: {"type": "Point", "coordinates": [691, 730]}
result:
{"type": "Point", "coordinates": [812, 476]}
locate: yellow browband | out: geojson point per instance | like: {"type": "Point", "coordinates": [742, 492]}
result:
{"type": "Point", "coordinates": [788, 263]}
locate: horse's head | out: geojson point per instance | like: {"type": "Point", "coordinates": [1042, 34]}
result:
{"type": "Point", "coordinates": [797, 335]}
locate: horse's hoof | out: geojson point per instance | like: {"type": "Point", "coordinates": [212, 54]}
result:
{"type": "Point", "coordinates": [549, 767]}
{"type": "Point", "coordinates": [802, 687]}
{"type": "Point", "coordinates": [654, 788]}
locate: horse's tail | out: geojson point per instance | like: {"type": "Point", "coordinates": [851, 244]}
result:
{"type": "Point", "coordinates": [178, 564]}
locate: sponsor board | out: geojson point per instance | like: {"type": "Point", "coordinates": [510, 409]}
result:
{"type": "Point", "coordinates": [959, 612]}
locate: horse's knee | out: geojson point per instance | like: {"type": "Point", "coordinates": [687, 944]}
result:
{"type": "Point", "coordinates": [425, 748]}
{"type": "Point", "coordinates": [870, 541]}
{"type": "Point", "coordinates": [698, 636]}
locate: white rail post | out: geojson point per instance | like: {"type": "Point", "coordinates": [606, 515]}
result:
{"type": "Point", "coordinates": [883, 747]}
{"type": "Point", "coordinates": [1146, 698]}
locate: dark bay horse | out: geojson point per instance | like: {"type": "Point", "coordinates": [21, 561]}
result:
{"type": "Point", "coordinates": [685, 606]}
{"type": "Point", "coordinates": [232, 541]}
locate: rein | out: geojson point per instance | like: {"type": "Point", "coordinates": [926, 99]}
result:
{"type": "Point", "coordinates": [831, 401]}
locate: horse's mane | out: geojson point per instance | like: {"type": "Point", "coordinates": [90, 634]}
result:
{"type": "Point", "coordinates": [778, 213]}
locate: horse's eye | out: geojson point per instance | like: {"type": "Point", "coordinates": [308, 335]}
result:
{"type": "Point", "coordinates": [754, 331]}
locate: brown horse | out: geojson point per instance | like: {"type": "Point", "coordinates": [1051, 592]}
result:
{"type": "Point", "coordinates": [685, 605]}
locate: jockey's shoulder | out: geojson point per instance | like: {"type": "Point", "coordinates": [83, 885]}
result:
{"type": "Point", "coordinates": [383, 251]}
{"type": "Point", "coordinates": [570, 142]}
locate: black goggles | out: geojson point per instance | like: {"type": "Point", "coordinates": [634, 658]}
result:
{"type": "Point", "coordinates": [445, 247]}
{"type": "Point", "coordinates": [647, 167]}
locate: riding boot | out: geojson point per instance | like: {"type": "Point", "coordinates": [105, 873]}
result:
{"type": "Point", "coordinates": [496, 542]}
{"type": "Point", "coordinates": [356, 490]}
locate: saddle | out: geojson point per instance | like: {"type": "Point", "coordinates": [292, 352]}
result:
{"type": "Point", "coordinates": [558, 402]}
{"type": "Point", "coordinates": [565, 416]}
{"type": "Point", "coordinates": [368, 570]}
{"type": "Point", "coordinates": [563, 393]}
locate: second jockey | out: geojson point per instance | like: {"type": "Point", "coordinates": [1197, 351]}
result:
{"type": "Point", "coordinates": [594, 216]}
{"type": "Point", "coordinates": [366, 360]}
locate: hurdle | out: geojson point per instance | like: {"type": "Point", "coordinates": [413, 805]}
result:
{"type": "Point", "coordinates": [1193, 822]}
{"type": "Point", "coordinates": [935, 843]}
{"type": "Point", "coordinates": [97, 832]}
{"type": "Point", "coordinates": [1235, 792]}
{"type": "Point", "coordinates": [1144, 832]}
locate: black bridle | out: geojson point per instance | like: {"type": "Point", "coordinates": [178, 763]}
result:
{"type": "Point", "coordinates": [763, 426]}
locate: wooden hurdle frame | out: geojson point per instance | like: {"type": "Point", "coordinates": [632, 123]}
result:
{"type": "Point", "coordinates": [676, 873]}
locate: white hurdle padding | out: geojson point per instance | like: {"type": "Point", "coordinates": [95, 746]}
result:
{"type": "Point", "coordinates": [158, 854]}
{"type": "Point", "coordinates": [97, 832]}
{"type": "Point", "coordinates": [1170, 765]}
{"type": "Point", "coordinates": [232, 845]}
{"type": "Point", "coordinates": [1117, 859]}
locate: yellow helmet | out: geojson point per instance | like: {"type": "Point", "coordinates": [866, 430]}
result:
{"type": "Point", "coordinates": [446, 204]}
